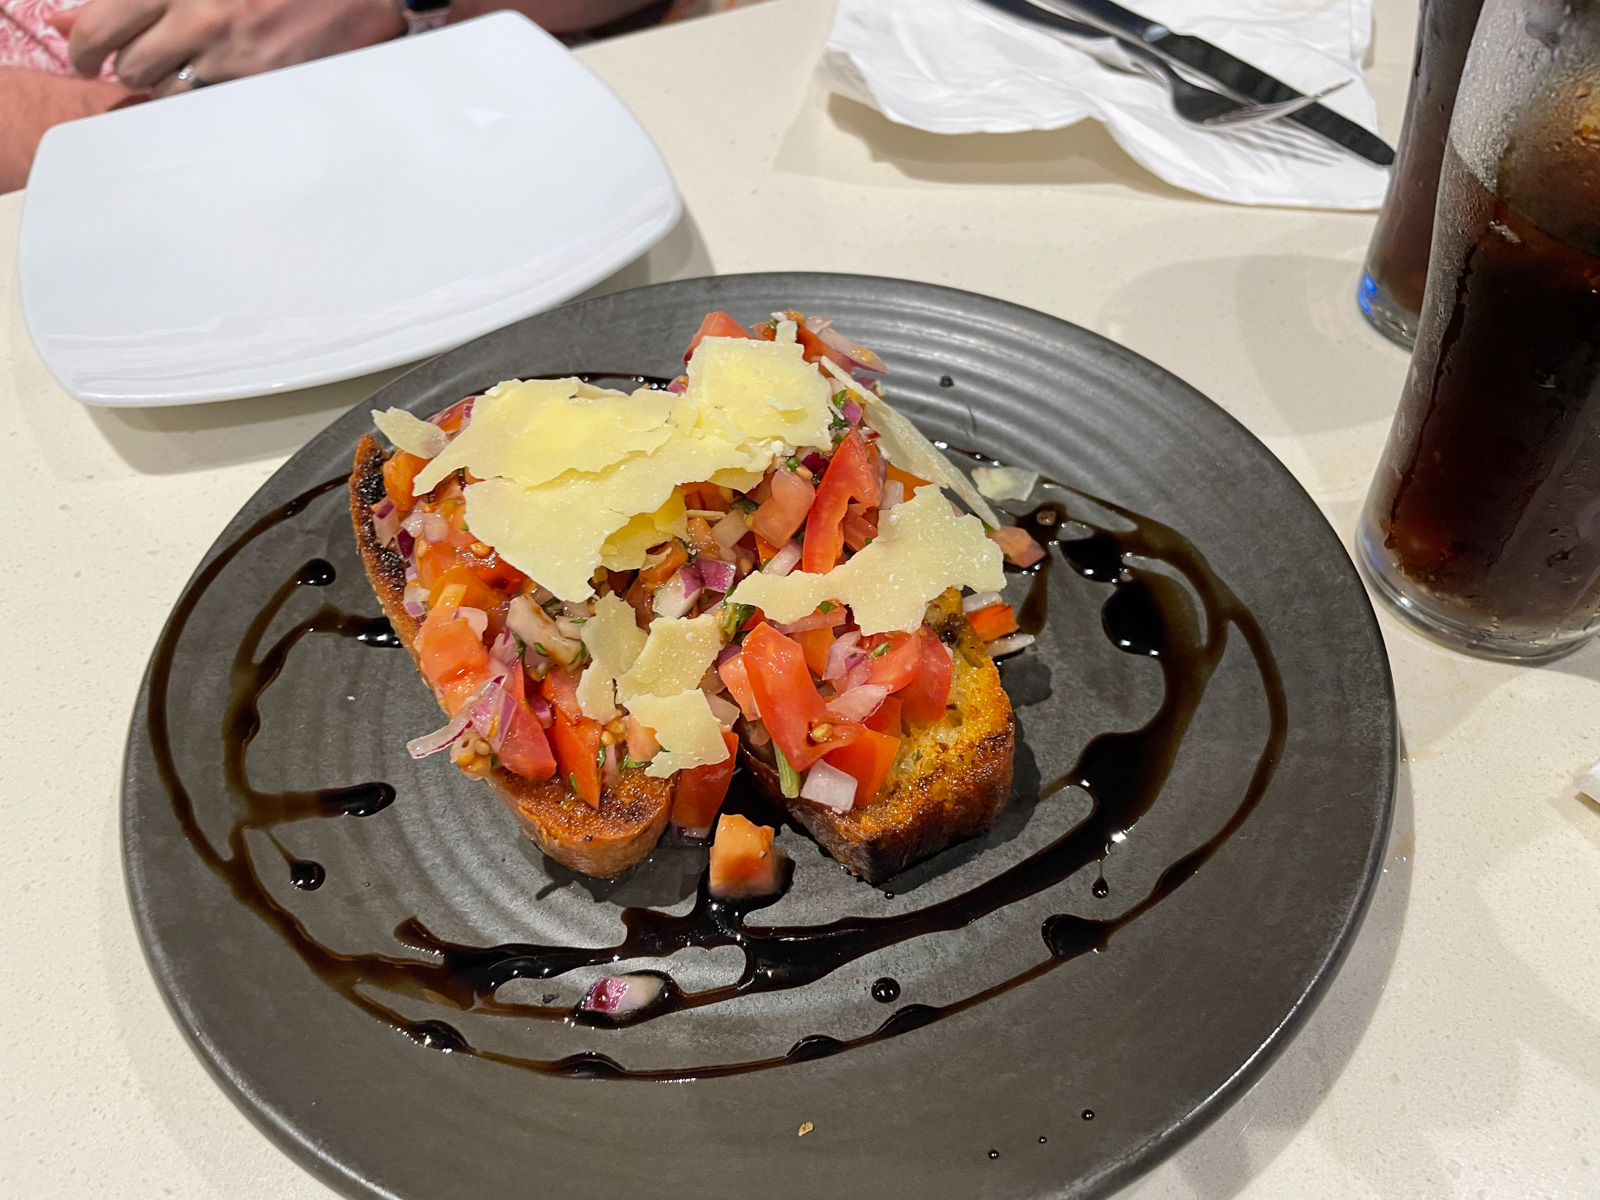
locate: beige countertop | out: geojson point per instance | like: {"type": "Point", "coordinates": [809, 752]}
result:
{"type": "Point", "coordinates": [1458, 1053]}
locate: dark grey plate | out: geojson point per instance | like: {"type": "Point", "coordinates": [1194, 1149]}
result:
{"type": "Point", "coordinates": [1155, 1034]}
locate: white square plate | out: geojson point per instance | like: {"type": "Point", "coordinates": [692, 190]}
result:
{"type": "Point", "coordinates": [331, 219]}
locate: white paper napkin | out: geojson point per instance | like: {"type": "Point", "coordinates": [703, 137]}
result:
{"type": "Point", "coordinates": [958, 66]}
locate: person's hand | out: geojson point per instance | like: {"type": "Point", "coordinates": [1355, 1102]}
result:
{"type": "Point", "coordinates": [219, 39]}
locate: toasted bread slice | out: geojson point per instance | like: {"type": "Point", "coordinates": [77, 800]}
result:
{"type": "Point", "coordinates": [603, 841]}
{"type": "Point", "coordinates": [950, 780]}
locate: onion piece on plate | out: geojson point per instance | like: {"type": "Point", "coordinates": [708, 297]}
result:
{"type": "Point", "coordinates": [830, 787]}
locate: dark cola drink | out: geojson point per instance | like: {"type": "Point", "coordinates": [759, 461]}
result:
{"type": "Point", "coordinates": [1483, 523]}
{"type": "Point", "coordinates": [1397, 260]}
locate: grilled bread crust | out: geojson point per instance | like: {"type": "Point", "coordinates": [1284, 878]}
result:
{"type": "Point", "coordinates": [950, 780]}
{"type": "Point", "coordinates": [601, 842]}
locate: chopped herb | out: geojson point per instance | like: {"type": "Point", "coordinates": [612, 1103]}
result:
{"type": "Point", "coordinates": [879, 650]}
{"type": "Point", "coordinates": [827, 606]}
{"type": "Point", "coordinates": [539, 646]}
{"type": "Point", "coordinates": [552, 606]}
{"type": "Point", "coordinates": [572, 782]}
{"type": "Point", "coordinates": [842, 397]}
{"type": "Point", "coordinates": [793, 463]}
{"type": "Point", "coordinates": [579, 620]}
{"type": "Point", "coordinates": [629, 762]}
{"type": "Point", "coordinates": [600, 757]}
{"type": "Point", "coordinates": [522, 646]}
{"type": "Point", "coordinates": [788, 777]}
{"type": "Point", "coordinates": [733, 618]}
{"type": "Point", "coordinates": [745, 505]}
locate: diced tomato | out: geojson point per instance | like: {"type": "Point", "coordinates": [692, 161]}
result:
{"type": "Point", "coordinates": [907, 480]}
{"type": "Point", "coordinates": [498, 574]}
{"type": "Point", "coordinates": [475, 593]}
{"type": "Point", "coordinates": [814, 349]}
{"type": "Point", "coordinates": [868, 760]}
{"type": "Point", "coordinates": [764, 332]}
{"type": "Point", "coordinates": [1020, 549]}
{"type": "Point", "coordinates": [448, 650]}
{"type": "Point", "coordinates": [737, 680]}
{"type": "Point", "coordinates": [707, 497]}
{"type": "Point", "coordinates": [717, 324]}
{"type": "Point", "coordinates": [993, 621]}
{"type": "Point", "coordinates": [743, 862]}
{"type": "Point", "coordinates": [701, 790]}
{"type": "Point", "coordinates": [577, 750]}
{"type": "Point", "coordinates": [897, 666]}
{"type": "Point", "coordinates": [785, 510]}
{"type": "Point", "coordinates": [860, 526]}
{"type": "Point", "coordinates": [452, 418]}
{"type": "Point", "coordinates": [700, 539]}
{"type": "Point", "coordinates": [654, 574]}
{"type": "Point", "coordinates": [815, 644]}
{"type": "Point", "coordinates": [852, 474]}
{"type": "Point", "coordinates": [525, 750]}
{"type": "Point", "coordinates": [887, 718]}
{"type": "Point", "coordinates": [642, 744]}
{"type": "Point", "coordinates": [560, 687]}
{"type": "Point", "coordinates": [764, 549]}
{"type": "Point", "coordinates": [925, 697]}
{"type": "Point", "coordinates": [398, 475]}
{"type": "Point", "coordinates": [788, 700]}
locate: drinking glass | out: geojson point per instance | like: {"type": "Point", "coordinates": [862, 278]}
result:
{"type": "Point", "coordinates": [1482, 526]}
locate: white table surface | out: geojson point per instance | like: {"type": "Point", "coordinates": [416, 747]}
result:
{"type": "Point", "coordinates": [1458, 1053]}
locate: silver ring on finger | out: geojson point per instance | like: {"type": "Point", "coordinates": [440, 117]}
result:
{"type": "Point", "coordinates": [188, 76]}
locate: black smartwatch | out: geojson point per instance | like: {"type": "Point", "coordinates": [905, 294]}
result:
{"type": "Point", "coordinates": [423, 15]}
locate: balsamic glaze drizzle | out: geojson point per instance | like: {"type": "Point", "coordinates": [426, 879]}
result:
{"type": "Point", "coordinates": [1147, 614]}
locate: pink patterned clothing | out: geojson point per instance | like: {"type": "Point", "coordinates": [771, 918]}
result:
{"type": "Point", "coordinates": [28, 40]}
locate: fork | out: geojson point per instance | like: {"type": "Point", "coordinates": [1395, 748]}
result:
{"type": "Point", "coordinates": [1195, 105]}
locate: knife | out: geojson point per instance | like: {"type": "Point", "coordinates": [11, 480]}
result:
{"type": "Point", "coordinates": [1235, 76]}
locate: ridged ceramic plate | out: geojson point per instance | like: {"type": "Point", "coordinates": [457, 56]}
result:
{"type": "Point", "coordinates": [1170, 1019]}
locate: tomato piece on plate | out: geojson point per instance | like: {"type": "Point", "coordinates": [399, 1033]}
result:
{"type": "Point", "coordinates": [907, 480]}
{"type": "Point", "coordinates": [449, 649]}
{"type": "Point", "coordinates": [475, 593]}
{"type": "Point", "coordinates": [716, 324]}
{"type": "Point", "coordinates": [815, 644]}
{"type": "Point", "coordinates": [560, 687]}
{"type": "Point", "coordinates": [887, 718]}
{"type": "Point", "coordinates": [1020, 549]}
{"type": "Point", "coordinates": [925, 697]}
{"type": "Point", "coordinates": [895, 659]}
{"type": "Point", "coordinates": [860, 527]}
{"type": "Point", "coordinates": [852, 474]}
{"type": "Point", "coordinates": [701, 790]}
{"type": "Point", "coordinates": [867, 760]}
{"type": "Point", "coordinates": [743, 861]}
{"type": "Point", "coordinates": [577, 751]}
{"type": "Point", "coordinates": [993, 621]}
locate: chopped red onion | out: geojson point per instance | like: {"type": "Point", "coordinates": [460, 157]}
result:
{"type": "Point", "coordinates": [679, 386]}
{"type": "Point", "coordinates": [784, 560]}
{"type": "Point", "coordinates": [504, 648]}
{"type": "Point", "coordinates": [434, 527]}
{"type": "Point", "coordinates": [894, 492]}
{"type": "Point", "coordinates": [859, 356]}
{"type": "Point", "coordinates": [855, 677]}
{"type": "Point", "coordinates": [491, 716]}
{"type": "Point", "coordinates": [858, 703]}
{"type": "Point", "coordinates": [730, 530]}
{"type": "Point", "coordinates": [830, 787]}
{"type": "Point", "coordinates": [385, 522]}
{"type": "Point", "coordinates": [1010, 644]}
{"type": "Point", "coordinates": [610, 770]}
{"type": "Point", "coordinates": [540, 708]}
{"type": "Point", "coordinates": [439, 739]}
{"type": "Point", "coordinates": [851, 412]}
{"type": "Point", "coordinates": [476, 617]}
{"type": "Point", "coordinates": [815, 463]}
{"type": "Point", "coordinates": [725, 654]}
{"type": "Point", "coordinates": [977, 600]}
{"type": "Point", "coordinates": [818, 620]}
{"type": "Point", "coordinates": [678, 594]}
{"type": "Point", "coordinates": [405, 543]}
{"type": "Point", "coordinates": [725, 711]}
{"type": "Point", "coordinates": [412, 600]}
{"type": "Point", "coordinates": [718, 576]}
{"type": "Point", "coordinates": [756, 733]}
{"type": "Point", "coordinates": [844, 654]}
{"type": "Point", "coordinates": [619, 995]}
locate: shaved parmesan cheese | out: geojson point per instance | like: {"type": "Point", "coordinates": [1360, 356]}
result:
{"type": "Point", "coordinates": [613, 639]}
{"type": "Point", "coordinates": [410, 433]}
{"type": "Point", "coordinates": [628, 547]}
{"type": "Point", "coordinates": [533, 432]}
{"type": "Point", "coordinates": [675, 658]}
{"type": "Point", "coordinates": [766, 391]}
{"type": "Point", "coordinates": [921, 549]}
{"type": "Point", "coordinates": [685, 727]}
{"type": "Point", "coordinates": [909, 450]}
{"type": "Point", "coordinates": [597, 695]}
{"type": "Point", "coordinates": [1005, 483]}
